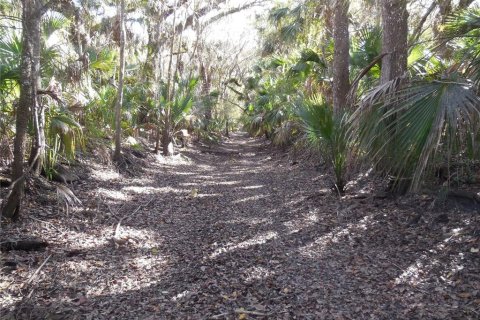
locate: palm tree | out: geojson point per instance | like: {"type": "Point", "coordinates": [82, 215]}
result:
{"type": "Point", "coordinates": [404, 127]}
{"type": "Point", "coordinates": [30, 71]}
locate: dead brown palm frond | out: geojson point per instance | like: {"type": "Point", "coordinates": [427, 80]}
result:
{"type": "Point", "coordinates": [66, 198]}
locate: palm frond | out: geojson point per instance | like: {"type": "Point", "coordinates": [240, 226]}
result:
{"type": "Point", "coordinates": [327, 132]}
{"type": "Point", "coordinates": [403, 128]}
{"type": "Point", "coordinates": [52, 22]}
{"type": "Point", "coordinates": [461, 23]}
{"type": "Point", "coordinates": [276, 15]}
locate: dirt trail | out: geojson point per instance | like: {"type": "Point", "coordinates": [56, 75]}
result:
{"type": "Point", "coordinates": [236, 232]}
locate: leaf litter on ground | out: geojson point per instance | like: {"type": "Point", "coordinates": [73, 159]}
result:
{"type": "Point", "coordinates": [238, 232]}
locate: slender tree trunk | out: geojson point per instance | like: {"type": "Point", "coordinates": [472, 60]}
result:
{"type": "Point", "coordinates": [30, 65]}
{"type": "Point", "coordinates": [394, 39]}
{"type": "Point", "coordinates": [37, 154]}
{"type": "Point", "coordinates": [157, 70]}
{"type": "Point", "coordinates": [341, 74]}
{"type": "Point", "coordinates": [167, 145]}
{"type": "Point", "coordinates": [119, 102]}
{"type": "Point", "coordinates": [207, 99]}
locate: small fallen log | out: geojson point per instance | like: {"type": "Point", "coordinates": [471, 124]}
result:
{"type": "Point", "coordinates": [23, 245]}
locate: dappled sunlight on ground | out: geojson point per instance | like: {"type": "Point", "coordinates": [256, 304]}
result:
{"type": "Point", "coordinates": [105, 175]}
{"type": "Point", "coordinates": [237, 231]}
{"type": "Point", "coordinates": [306, 221]}
{"type": "Point", "coordinates": [252, 187]}
{"type": "Point", "coordinates": [256, 273]}
{"type": "Point", "coordinates": [153, 190]}
{"type": "Point", "coordinates": [229, 247]}
{"type": "Point", "coordinates": [248, 221]}
{"type": "Point", "coordinates": [209, 183]}
{"type": "Point", "coordinates": [113, 194]}
{"type": "Point", "coordinates": [177, 159]}
{"type": "Point", "coordinates": [414, 274]}
{"type": "Point", "coordinates": [319, 245]}
{"type": "Point", "coordinates": [252, 198]}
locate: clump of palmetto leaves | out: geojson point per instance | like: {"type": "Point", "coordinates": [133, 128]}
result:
{"type": "Point", "coordinates": [403, 124]}
{"type": "Point", "coordinates": [400, 130]}
{"type": "Point", "coordinates": [327, 131]}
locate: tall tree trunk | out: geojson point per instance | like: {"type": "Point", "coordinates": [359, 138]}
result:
{"type": "Point", "coordinates": [157, 70]}
{"type": "Point", "coordinates": [394, 65]}
{"type": "Point", "coordinates": [341, 75]}
{"type": "Point", "coordinates": [119, 102]}
{"type": "Point", "coordinates": [30, 65]}
{"type": "Point", "coordinates": [37, 154]}
{"type": "Point", "coordinates": [167, 142]}
{"type": "Point", "coordinates": [394, 39]}
{"type": "Point", "coordinates": [207, 99]}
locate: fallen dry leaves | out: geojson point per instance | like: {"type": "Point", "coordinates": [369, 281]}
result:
{"type": "Point", "coordinates": [239, 232]}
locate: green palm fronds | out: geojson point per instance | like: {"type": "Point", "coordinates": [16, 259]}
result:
{"type": "Point", "coordinates": [402, 129]}
{"type": "Point", "coordinates": [53, 22]}
{"type": "Point", "coordinates": [463, 22]}
{"type": "Point", "coordinates": [328, 132]}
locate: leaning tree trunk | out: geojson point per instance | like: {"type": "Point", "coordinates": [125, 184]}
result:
{"type": "Point", "coordinates": [341, 75]}
{"type": "Point", "coordinates": [30, 72]}
{"type": "Point", "coordinates": [119, 102]}
{"type": "Point", "coordinates": [394, 39]}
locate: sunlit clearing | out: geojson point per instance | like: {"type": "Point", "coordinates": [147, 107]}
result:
{"type": "Point", "coordinates": [252, 198]}
{"type": "Point", "coordinates": [260, 239]}
{"type": "Point", "coordinates": [112, 194]}
{"type": "Point", "coordinates": [256, 273]}
{"type": "Point", "coordinates": [320, 245]}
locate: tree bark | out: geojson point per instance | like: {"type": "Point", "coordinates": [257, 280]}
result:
{"type": "Point", "coordinates": [30, 72]}
{"type": "Point", "coordinates": [119, 102]}
{"type": "Point", "coordinates": [206, 77]}
{"type": "Point", "coordinates": [37, 154]}
{"type": "Point", "coordinates": [394, 39]}
{"type": "Point", "coordinates": [341, 74]}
